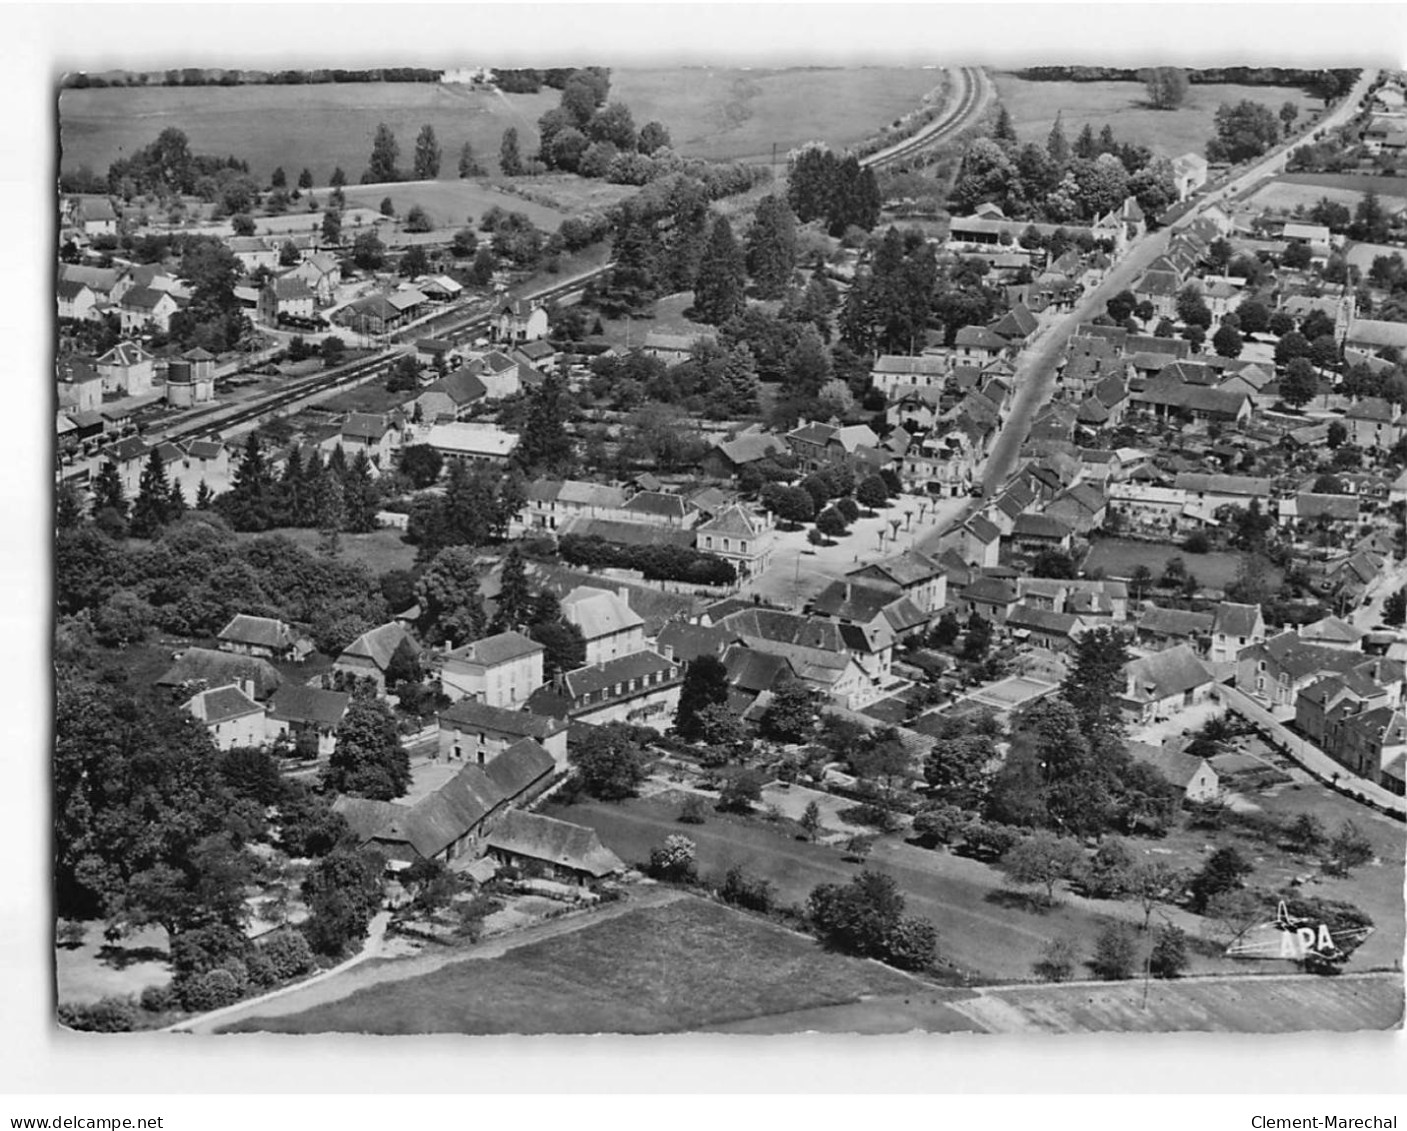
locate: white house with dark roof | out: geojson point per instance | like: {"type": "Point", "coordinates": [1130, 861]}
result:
{"type": "Point", "coordinates": [127, 369]}
{"type": "Point", "coordinates": [286, 296]}
{"type": "Point", "coordinates": [912, 574]}
{"type": "Point", "coordinates": [1194, 776]}
{"type": "Point", "coordinates": [76, 300]}
{"type": "Point", "coordinates": [1234, 627]}
{"type": "Point", "coordinates": [1375, 423]}
{"type": "Point", "coordinates": [472, 442]}
{"type": "Point", "coordinates": [738, 536]}
{"type": "Point", "coordinates": [500, 670]}
{"type": "Point", "coordinates": [376, 434]}
{"type": "Point", "coordinates": [662, 508]}
{"type": "Point", "coordinates": [521, 320]}
{"type": "Point", "coordinates": [232, 717]}
{"type": "Point", "coordinates": [143, 306]}
{"type": "Point", "coordinates": [610, 627]}
{"type": "Point", "coordinates": [927, 371]}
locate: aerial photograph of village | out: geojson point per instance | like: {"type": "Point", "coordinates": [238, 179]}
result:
{"type": "Point", "coordinates": [630, 549]}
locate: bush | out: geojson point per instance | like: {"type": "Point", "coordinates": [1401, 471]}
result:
{"type": "Point", "coordinates": [260, 969]}
{"type": "Point", "coordinates": [1114, 953]}
{"type": "Point", "coordinates": [214, 989]}
{"type": "Point", "coordinates": [673, 861]}
{"type": "Point", "coordinates": [107, 1015]}
{"type": "Point", "coordinates": [1197, 542]}
{"type": "Point", "coordinates": [70, 934]}
{"type": "Point", "coordinates": [694, 811]}
{"type": "Point", "coordinates": [1057, 961]}
{"type": "Point", "coordinates": [871, 815]}
{"type": "Point", "coordinates": [160, 999]}
{"type": "Point", "coordinates": [656, 562]}
{"type": "Point", "coordinates": [289, 954]}
{"type": "Point", "coordinates": [741, 890]}
{"type": "Point", "coordinates": [1169, 957]}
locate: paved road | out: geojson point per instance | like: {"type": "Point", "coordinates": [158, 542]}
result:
{"type": "Point", "coordinates": [1035, 367]}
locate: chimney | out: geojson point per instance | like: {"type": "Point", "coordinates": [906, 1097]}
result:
{"type": "Point", "coordinates": [667, 651]}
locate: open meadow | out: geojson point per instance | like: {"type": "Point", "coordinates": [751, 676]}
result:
{"type": "Point", "coordinates": [671, 968]}
{"type": "Point", "coordinates": [1290, 191]}
{"type": "Point", "coordinates": [452, 204]}
{"type": "Point", "coordinates": [1124, 106]}
{"type": "Point", "coordinates": [1117, 558]}
{"type": "Point", "coordinates": [317, 126]}
{"type": "Point", "coordinates": [739, 113]}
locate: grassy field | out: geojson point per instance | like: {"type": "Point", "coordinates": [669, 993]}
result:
{"type": "Point", "coordinates": [675, 968]}
{"type": "Point", "coordinates": [1250, 1005]}
{"type": "Point", "coordinates": [100, 969]}
{"type": "Point", "coordinates": [668, 318]}
{"type": "Point", "coordinates": [317, 127]}
{"type": "Point", "coordinates": [1307, 189]}
{"type": "Point", "coordinates": [1124, 106]}
{"type": "Point", "coordinates": [452, 204]}
{"type": "Point", "coordinates": [739, 114]}
{"type": "Point", "coordinates": [1118, 558]}
{"type": "Point", "coordinates": [379, 551]}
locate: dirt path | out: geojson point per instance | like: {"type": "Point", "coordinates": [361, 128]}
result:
{"type": "Point", "coordinates": [350, 981]}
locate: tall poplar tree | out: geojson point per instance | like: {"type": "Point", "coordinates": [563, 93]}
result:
{"type": "Point", "coordinates": [384, 151]}
{"type": "Point", "coordinates": [718, 290]}
{"type": "Point", "coordinates": [771, 247]}
{"type": "Point", "coordinates": [427, 154]}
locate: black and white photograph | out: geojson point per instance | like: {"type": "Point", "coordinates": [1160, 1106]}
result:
{"type": "Point", "coordinates": [762, 546]}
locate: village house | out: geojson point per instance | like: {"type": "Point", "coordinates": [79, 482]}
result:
{"type": "Point", "coordinates": [308, 713]}
{"type": "Point", "coordinates": [1160, 628]}
{"type": "Point", "coordinates": [199, 669]}
{"type": "Point", "coordinates": [127, 370]}
{"type": "Point", "coordinates": [1332, 632]}
{"type": "Point", "coordinates": [641, 689]}
{"type": "Point", "coordinates": [476, 732]}
{"type": "Point", "coordinates": [1169, 398]}
{"type": "Point", "coordinates": [320, 272]}
{"type": "Point", "coordinates": [472, 442]}
{"type": "Point", "coordinates": [660, 508]}
{"type": "Point", "coordinates": [811, 641]}
{"type": "Point", "coordinates": [610, 627]}
{"type": "Point", "coordinates": [450, 397]}
{"type": "Point", "coordinates": [500, 670]}
{"type": "Point", "coordinates": [738, 536]}
{"type": "Point", "coordinates": [144, 307]}
{"type": "Point", "coordinates": [376, 435]}
{"type": "Point", "coordinates": [1375, 424]}
{"type": "Point", "coordinates": [1235, 627]}
{"type": "Point", "coordinates": [911, 574]}
{"type": "Point", "coordinates": [891, 371]}
{"type": "Point", "coordinates": [1160, 685]}
{"type": "Point", "coordinates": [668, 348]}
{"type": "Point", "coordinates": [1189, 174]}
{"type": "Point", "coordinates": [370, 654]}
{"type": "Point", "coordinates": [1043, 628]}
{"type": "Point", "coordinates": [563, 851]}
{"type": "Point", "coordinates": [521, 321]}
{"type": "Point", "coordinates": [991, 598]}
{"type": "Point", "coordinates": [1194, 776]}
{"type": "Point", "coordinates": [1370, 743]}
{"type": "Point", "coordinates": [231, 716]}
{"type": "Point", "coordinates": [264, 637]}
{"type": "Point", "coordinates": [451, 819]}
{"type": "Point", "coordinates": [1278, 668]}
{"type": "Point", "coordinates": [435, 352]}
{"type": "Point", "coordinates": [1215, 491]}
{"type": "Point", "coordinates": [76, 301]}
{"type": "Point", "coordinates": [727, 457]}
{"type": "Point", "coordinates": [96, 216]}
{"type": "Point", "coordinates": [551, 503]}
{"type": "Point", "coordinates": [286, 296]}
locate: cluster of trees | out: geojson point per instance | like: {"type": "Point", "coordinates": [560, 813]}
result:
{"type": "Point", "coordinates": [196, 575]}
{"type": "Point", "coordinates": [217, 76]}
{"type": "Point", "coordinates": [1060, 182]}
{"type": "Point", "coordinates": [822, 185]}
{"type": "Point", "coordinates": [658, 562]}
{"type": "Point", "coordinates": [1244, 130]}
{"type": "Point", "coordinates": [866, 918]}
{"type": "Point", "coordinates": [904, 292]}
{"type": "Point", "coordinates": [1325, 84]}
{"type": "Point", "coordinates": [153, 826]}
{"type": "Point", "coordinates": [715, 380]}
{"type": "Point", "coordinates": [336, 496]}
{"type": "Point", "coordinates": [587, 135]}
{"type": "Point", "coordinates": [381, 167]}
{"type": "Point", "coordinates": [474, 510]}
{"type": "Point", "coordinates": [659, 239]}
{"type": "Point", "coordinates": [166, 167]}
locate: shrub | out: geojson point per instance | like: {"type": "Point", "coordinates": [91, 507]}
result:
{"type": "Point", "coordinates": [259, 968]}
{"type": "Point", "coordinates": [1057, 961]}
{"type": "Point", "coordinates": [289, 954]}
{"type": "Point", "coordinates": [742, 890]}
{"type": "Point", "coordinates": [673, 861]}
{"type": "Point", "coordinates": [70, 934]}
{"type": "Point", "coordinates": [1114, 953]}
{"type": "Point", "coordinates": [694, 811]}
{"type": "Point", "coordinates": [871, 815]}
{"type": "Point", "coordinates": [160, 999]}
{"type": "Point", "coordinates": [107, 1015]}
{"type": "Point", "coordinates": [1169, 957]}
{"type": "Point", "coordinates": [214, 989]}
{"type": "Point", "coordinates": [657, 562]}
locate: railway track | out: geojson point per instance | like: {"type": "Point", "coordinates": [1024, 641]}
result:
{"type": "Point", "coordinates": [457, 327]}
{"type": "Point", "coordinates": [974, 84]}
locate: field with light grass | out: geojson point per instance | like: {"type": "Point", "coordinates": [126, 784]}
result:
{"type": "Point", "coordinates": [1124, 106]}
{"type": "Point", "coordinates": [317, 126]}
{"type": "Point", "coordinates": [666, 969]}
{"type": "Point", "coordinates": [737, 113]}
